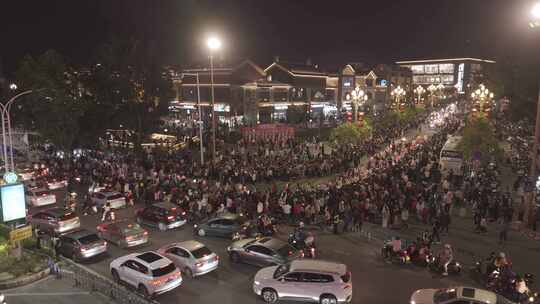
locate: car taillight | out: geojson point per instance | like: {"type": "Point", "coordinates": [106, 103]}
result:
{"type": "Point", "coordinates": [145, 232]}
{"type": "Point", "coordinates": [347, 286]}
{"type": "Point", "coordinates": [301, 254]}
{"type": "Point", "coordinates": [156, 282]}
{"type": "Point", "coordinates": [84, 248]}
{"type": "Point", "coordinates": [170, 217]}
{"type": "Point", "coordinates": [183, 213]}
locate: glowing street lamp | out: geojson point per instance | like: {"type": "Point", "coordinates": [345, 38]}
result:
{"type": "Point", "coordinates": [482, 95]}
{"type": "Point", "coordinates": [213, 44]}
{"type": "Point", "coordinates": [358, 96]}
{"type": "Point", "coordinates": [535, 14]}
{"type": "Point", "coordinates": [13, 86]}
{"type": "Point", "coordinates": [432, 88]}
{"type": "Point", "coordinates": [419, 90]}
{"type": "Point", "coordinates": [397, 93]}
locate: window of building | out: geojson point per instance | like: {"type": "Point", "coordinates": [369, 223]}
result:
{"type": "Point", "coordinates": [431, 68]}
{"type": "Point", "coordinates": [447, 78]}
{"type": "Point", "coordinates": [280, 94]}
{"type": "Point", "coordinates": [263, 94]}
{"type": "Point", "coordinates": [369, 82]}
{"type": "Point", "coordinates": [417, 69]}
{"type": "Point", "coordinates": [446, 68]}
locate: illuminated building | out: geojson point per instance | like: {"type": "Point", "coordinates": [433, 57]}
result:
{"type": "Point", "coordinates": [458, 73]}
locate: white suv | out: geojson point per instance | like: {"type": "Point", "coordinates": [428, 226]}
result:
{"type": "Point", "coordinates": [149, 272]}
{"type": "Point", "coordinates": [310, 280]}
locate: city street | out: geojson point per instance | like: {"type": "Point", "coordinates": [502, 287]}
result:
{"type": "Point", "coordinates": [231, 283]}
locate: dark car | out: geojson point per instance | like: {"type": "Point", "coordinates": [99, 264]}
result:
{"type": "Point", "coordinates": [55, 221]}
{"type": "Point", "coordinates": [81, 245]}
{"type": "Point", "coordinates": [263, 252]}
{"type": "Point", "coordinates": [123, 233]}
{"type": "Point", "coordinates": [162, 215]}
{"type": "Point", "coordinates": [222, 226]}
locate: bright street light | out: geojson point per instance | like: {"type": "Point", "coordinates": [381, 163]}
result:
{"type": "Point", "coordinates": [213, 43]}
{"type": "Point", "coordinates": [535, 12]}
{"type": "Point", "coordinates": [13, 86]}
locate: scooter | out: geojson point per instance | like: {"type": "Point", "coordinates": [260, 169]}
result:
{"type": "Point", "coordinates": [436, 266]}
{"type": "Point", "coordinates": [307, 246]}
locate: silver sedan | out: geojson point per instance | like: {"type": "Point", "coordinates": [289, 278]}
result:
{"type": "Point", "coordinates": [192, 257]}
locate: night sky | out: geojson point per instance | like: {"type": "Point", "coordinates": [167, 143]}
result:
{"type": "Point", "coordinates": [327, 31]}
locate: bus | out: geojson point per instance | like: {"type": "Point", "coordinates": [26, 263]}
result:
{"type": "Point", "coordinates": [451, 157]}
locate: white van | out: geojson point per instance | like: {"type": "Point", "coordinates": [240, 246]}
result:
{"type": "Point", "coordinates": [451, 157]}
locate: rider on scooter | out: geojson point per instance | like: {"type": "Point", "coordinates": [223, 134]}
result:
{"type": "Point", "coordinates": [446, 256]}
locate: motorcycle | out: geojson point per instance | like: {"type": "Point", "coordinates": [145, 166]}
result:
{"type": "Point", "coordinates": [400, 257]}
{"type": "Point", "coordinates": [248, 230]}
{"type": "Point", "coordinates": [307, 246]}
{"type": "Point", "coordinates": [435, 265]}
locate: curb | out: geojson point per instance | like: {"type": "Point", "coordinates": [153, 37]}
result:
{"type": "Point", "coordinates": [19, 282]}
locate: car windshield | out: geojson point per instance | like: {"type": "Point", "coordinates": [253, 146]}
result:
{"type": "Point", "coordinates": [158, 272]}
{"type": "Point", "coordinates": [115, 196]}
{"type": "Point", "coordinates": [281, 270]}
{"type": "Point", "coordinates": [201, 252]}
{"type": "Point", "coordinates": [132, 229]}
{"type": "Point", "coordinates": [286, 250]}
{"type": "Point", "coordinates": [444, 295]}
{"type": "Point", "coordinates": [89, 239]}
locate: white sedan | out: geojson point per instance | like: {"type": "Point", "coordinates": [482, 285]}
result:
{"type": "Point", "coordinates": [457, 295]}
{"type": "Point", "coordinates": [37, 197]}
{"type": "Point", "coordinates": [117, 200]}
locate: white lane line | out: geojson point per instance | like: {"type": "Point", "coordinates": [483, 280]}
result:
{"type": "Point", "coordinates": [41, 294]}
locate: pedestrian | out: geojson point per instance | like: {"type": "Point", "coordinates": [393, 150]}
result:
{"type": "Point", "coordinates": [435, 235]}
{"type": "Point", "coordinates": [503, 230]}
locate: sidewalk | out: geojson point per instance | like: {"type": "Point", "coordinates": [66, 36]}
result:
{"type": "Point", "coordinates": [52, 291]}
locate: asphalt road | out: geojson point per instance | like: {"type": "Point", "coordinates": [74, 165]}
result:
{"type": "Point", "coordinates": [374, 281]}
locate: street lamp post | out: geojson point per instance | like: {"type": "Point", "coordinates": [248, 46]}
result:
{"type": "Point", "coordinates": [200, 121]}
{"type": "Point", "coordinates": [9, 166]}
{"type": "Point", "coordinates": [432, 88]}
{"type": "Point", "coordinates": [397, 93]}
{"type": "Point", "coordinates": [419, 90]}
{"type": "Point", "coordinates": [481, 96]}
{"type": "Point", "coordinates": [358, 95]}
{"type": "Point", "coordinates": [213, 44]}
{"type": "Point", "coordinates": [529, 210]}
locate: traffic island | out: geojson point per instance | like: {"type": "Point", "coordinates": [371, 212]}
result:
{"type": "Point", "coordinates": [29, 268]}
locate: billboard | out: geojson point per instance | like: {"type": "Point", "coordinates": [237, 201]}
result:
{"type": "Point", "coordinates": [12, 202]}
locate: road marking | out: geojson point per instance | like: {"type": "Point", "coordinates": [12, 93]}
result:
{"type": "Point", "coordinates": [24, 294]}
{"type": "Point", "coordinates": [341, 252]}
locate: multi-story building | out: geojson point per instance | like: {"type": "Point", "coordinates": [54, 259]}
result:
{"type": "Point", "coordinates": [458, 73]}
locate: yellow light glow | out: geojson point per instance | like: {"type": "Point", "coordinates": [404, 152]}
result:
{"type": "Point", "coordinates": [535, 12]}
{"type": "Point", "coordinates": [213, 43]}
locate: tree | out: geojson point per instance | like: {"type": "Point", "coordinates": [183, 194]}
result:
{"type": "Point", "coordinates": [350, 133]}
{"type": "Point", "coordinates": [58, 101]}
{"type": "Point", "coordinates": [478, 137]}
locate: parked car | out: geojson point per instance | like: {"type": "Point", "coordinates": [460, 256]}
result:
{"type": "Point", "coordinates": [192, 257]}
{"type": "Point", "coordinates": [222, 226]}
{"type": "Point", "coordinates": [151, 273]}
{"type": "Point", "coordinates": [123, 233]}
{"type": "Point", "coordinates": [80, 245]}
{"type": "Point", "coordinates": [26, 174]}
{"type": "Point", "coordinates": [162, 215]}
{"type": "Point", "coordinates": [457, 295]}
{"type": "Point", "coordinates": [55, 221]}
{"type": "Point", "coordinates": [263, 252]}
{"type": "Point", "coordinates": [117, 200]}
{"type": "Point", "coordinates": [38, 197]}
{"type": "Point", "coordinates": [55, 183]}
{"type": "Point", "coordinates": [313, 280]}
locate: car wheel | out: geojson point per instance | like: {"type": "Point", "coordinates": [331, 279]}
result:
{"type": "Point", "coordinates": [269, 295]}
{"type": "Point", "coordinates": [162, 227]}
{"type": "Point", "coordinates": [235, 257]}
{"type": "Point", "coordinates": [143, 291]}
{"type": "Point", "coordinates": [201, 232]}
{"type": "Point", "coordinates": [328, 299]}
{"type": "Point", "coordinates": [115, 276]}
{"type": "Point", "coordinates": [188, 272]}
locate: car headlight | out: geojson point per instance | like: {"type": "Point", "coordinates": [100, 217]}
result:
{"type": "Point", "coordinates": [256, 282]}
{"type": "Point", "coordinates": [413, 302]}
{"type": "Point", "coordinates": [195, 226]}
{"type": "Point", "coordinates": [229, 248]}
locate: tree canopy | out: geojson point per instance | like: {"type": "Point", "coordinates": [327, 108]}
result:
{"type": "Point", "coordinates": [479, 137]}
{"type": "Point", "coordinates": [350, 133]}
